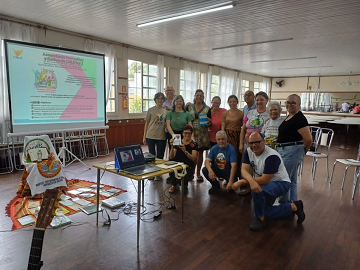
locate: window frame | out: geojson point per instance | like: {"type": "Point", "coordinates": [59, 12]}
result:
{"type": "Point", "coordinates": [115, 97]}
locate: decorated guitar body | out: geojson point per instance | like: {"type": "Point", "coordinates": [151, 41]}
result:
{"type": "Point", "coordinates": [46, 213]}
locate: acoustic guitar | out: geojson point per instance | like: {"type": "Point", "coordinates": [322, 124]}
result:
{"type": "Point", "coordinates": [46, 213]}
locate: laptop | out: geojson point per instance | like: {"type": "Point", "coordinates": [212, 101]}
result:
{"type": "Point", "coordinates": [131, 160]}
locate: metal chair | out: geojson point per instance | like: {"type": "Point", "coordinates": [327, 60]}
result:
{"type": "Point", "coordinates": [315, 134]}
{"type": "Point", "coordinates": [6, 164]}
{"type": "Point", "coordinates": [100, 142]}
{"type": "Point", "coordinates": [74, 142]}
{"type": "Point", "coordinates": [88, 143]}
{"type": "Point", "coordinates": [349, 163]}
{"type": "Point", "coordinates": [324, 143]}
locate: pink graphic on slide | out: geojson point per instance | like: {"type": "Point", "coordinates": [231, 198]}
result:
{"type": "Point", "coordinates": [84, 103]}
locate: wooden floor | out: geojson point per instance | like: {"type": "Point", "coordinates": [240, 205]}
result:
{"type": "Point", "coordinates": [214, 235]}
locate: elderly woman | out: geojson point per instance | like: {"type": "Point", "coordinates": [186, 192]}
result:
{"type": "Point", "coordinates": [200, 111]}
{"type": "Point", "coordinates": [154, 130]}
{"type": "Point", "coordinates": [271, 127]}
{"type": "Point", "coordinates": [187, 153]}
{"type": "Point", "coordinates": [216, 115]}
{"type": "Point", "coordinates": [294, 141]}
{"type": "Point", "coordinates": [254, 120]}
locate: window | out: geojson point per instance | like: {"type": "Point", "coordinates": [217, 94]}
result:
{"type": "Point", "coordinates": [245, 86]}
{"type": "Point", "coordinates": [111, 106]}
{"type": "Point", "coordinates": [187, 88]}
{"type": "Point", "coordinates": [142, 80]}
{"type": "Point", "coordinates": [257, 87]}
{"type": "Point", "coordinates": [214, 86]}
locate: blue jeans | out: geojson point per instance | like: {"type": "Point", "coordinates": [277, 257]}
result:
{"type": "Point", "coordinates": [220, 174]}
{"type": "Point", "coordinates": [292, 157]}
{"type": "Point", "coordinates": [263, 201]}
{"type": "Point", "coordinates": [160, 147]}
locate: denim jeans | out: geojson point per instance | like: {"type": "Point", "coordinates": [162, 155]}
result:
{"type": "Point", "coordinates": [263, 201]}
{"type": "Point", "coordinates": [292, 157]}
{"type": "Point", "coordinates": [160, 147]}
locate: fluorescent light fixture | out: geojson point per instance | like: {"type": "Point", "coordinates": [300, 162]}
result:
{"type": "Point", "coordinates": [181, 16]}
{"type": "Point", "coordinates": [285, 59]}
{"type": "Point", "coordinates": [252, 43]}
{"type": "Point", "coordinates": [304, 67]}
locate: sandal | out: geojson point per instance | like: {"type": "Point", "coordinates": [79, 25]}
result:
{"type": "Point", "coordinates": [244, 191]}
{"type": "Point", "coordinates": [199, 178]}
{"type": "Point", "coordinates": [172, 189]}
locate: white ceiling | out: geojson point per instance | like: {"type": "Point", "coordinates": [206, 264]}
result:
{"type": "Point", "coordinates": [327, 30]}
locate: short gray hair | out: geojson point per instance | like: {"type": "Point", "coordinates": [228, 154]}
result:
{"type": "Point", "coordinates": [221, 132]}
{"type": "Point", "coordinates": [274, 103]}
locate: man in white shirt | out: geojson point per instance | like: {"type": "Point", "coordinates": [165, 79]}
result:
{"type": "Point", "coordinates": [269, 181]}
{"type": "Point", "coordinates": [170, 95]}
{"type": "Point", "coordinates": [249, 98]}
{"type": "Point", "coordinates": [345, 107]}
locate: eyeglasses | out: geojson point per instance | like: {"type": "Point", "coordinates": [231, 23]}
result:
{"type": "Point", "coordinates": [256, 143]}
{"type": "Point", "coordinates": [187, 133]}
{"type": "Point", "coordinates": [290, 103]}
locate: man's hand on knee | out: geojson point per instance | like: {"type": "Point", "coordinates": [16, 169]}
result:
{"type": "Point", "coordinates": [212, 175]}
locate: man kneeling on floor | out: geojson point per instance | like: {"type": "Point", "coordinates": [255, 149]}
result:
{"type": "Point", "coordinates": [269, 182]}
{"type": "Point", "coordinates": [221, 163]}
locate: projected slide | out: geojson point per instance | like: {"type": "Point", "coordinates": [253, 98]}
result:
{"type": "Point", "coordinates": [50, 86]}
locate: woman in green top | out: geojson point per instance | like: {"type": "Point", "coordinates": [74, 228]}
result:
{"type": "Point", "coordinates": [177, 117]}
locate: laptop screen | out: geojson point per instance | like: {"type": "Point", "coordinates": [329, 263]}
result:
{"type": "Point", "coordinates": [129, 156]}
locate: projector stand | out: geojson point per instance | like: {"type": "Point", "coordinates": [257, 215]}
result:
{"type": "Point", "coordinates": [64, 149]}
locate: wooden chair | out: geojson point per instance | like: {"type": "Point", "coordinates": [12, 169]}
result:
{"type": "Point", "coordinates": [349, 163]}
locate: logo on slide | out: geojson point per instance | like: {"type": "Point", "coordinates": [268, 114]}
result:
{"type": "Point", "coordinates": [18, 53]}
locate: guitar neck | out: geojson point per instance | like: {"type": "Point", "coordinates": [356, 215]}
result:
{"type": "Point", "coordinates": [36, 249]}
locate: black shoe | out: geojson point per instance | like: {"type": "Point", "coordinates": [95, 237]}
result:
{"type": "Point", "coordinates": [300, 211]}
{"type": "Point", "coordinates": [214, 190]}
{"type": "Point", "coordinates": [257, 225]}
{"type": "Point", "coordinates": [168, 180]}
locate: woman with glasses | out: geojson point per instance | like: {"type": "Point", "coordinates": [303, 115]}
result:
{"type": "Point", "coordinates": [231, 123]}
{"type": "Point", "coordinates": [187, 153]}
{"type": "Point", "coordinates": [271, 127]}
{"type": "Point", "coordinates": [294, 141]}
{"type": "Point", "coordinates": [254, 120]}
{"type": "Point", "coordinates": [201, 115]}
{"type": "Point", "coordinates": [154, 130]}
{"type": "Point", "coordinates": [216, 114]}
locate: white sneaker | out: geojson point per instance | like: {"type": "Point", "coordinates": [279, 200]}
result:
{"type": "Point", "coordinates": [224, 182]}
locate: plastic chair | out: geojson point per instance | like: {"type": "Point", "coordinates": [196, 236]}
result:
{"type": "Point", "coordinates": [74, 142]}
{"type": "Point", "coordinates": [324, 145]}
{"type": "Point", "coordinates": [315, 134]}
{"type": "Point", "coordinates": [349, 163]}
{"type": "Point", "coordinates": [89, 144]}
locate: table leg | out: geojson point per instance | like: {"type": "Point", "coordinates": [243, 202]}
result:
{"type": "Point", "coordinates": [138, 213]}
{"type": "Point", "coordinates": [143, 192]}
{"type": "Point", "coordinates": [97, 196]}
{"type": "Point", "coordinates": [182, 198]}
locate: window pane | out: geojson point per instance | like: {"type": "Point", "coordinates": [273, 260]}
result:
{"type": "Point", "coordinates": [110, 107]}
{"type": "Point", "coordinates": [152, 82]}
{"type": "Point", "coordinates": [145, 81]}
{"type": "Point", "coordinates": [152, 93]}
{"type": "Point", "coordinates": [135, 105]}
{"type": "Point", "coordinates": [182, 76]}
{"type": "Point", "coordinates": [182, 85]}
{"type": "Point", "coordinates": [145, 68]}
{"type": "Point", "coordinates": [112, 92]}
{"type": "Point", "coordinates": [153, 70]}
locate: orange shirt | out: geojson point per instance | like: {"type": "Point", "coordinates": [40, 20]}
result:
{"type": "Point", "coordinates": [215, 124]}
{"type": "Point", "coordinates": [233, 123]}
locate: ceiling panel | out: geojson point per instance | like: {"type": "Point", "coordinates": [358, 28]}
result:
{"type": "Point", "coordinates": [327, 30]}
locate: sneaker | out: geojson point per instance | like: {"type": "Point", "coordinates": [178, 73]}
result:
{"type": "Point", "coordinates": [300, 211]}
{"type": "Point", "coordinates": [214, 190]}
{"type": "Point", "coordinates": [257, 225]}
{"type": "Point", "coordinates": [157, 178]}
{"type": "Point", "coordinates": [168, 180]}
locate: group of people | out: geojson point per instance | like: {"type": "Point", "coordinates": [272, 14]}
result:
{"type": "Point", "coordinates": [346, 108]}
{"type": "Point", "coordinates": [253, 150]}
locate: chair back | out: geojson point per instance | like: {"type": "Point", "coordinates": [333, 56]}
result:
{"type": "Point", "coordinates": [326, 138]}
{"type": "Point", "coordinates": [315, 134]}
